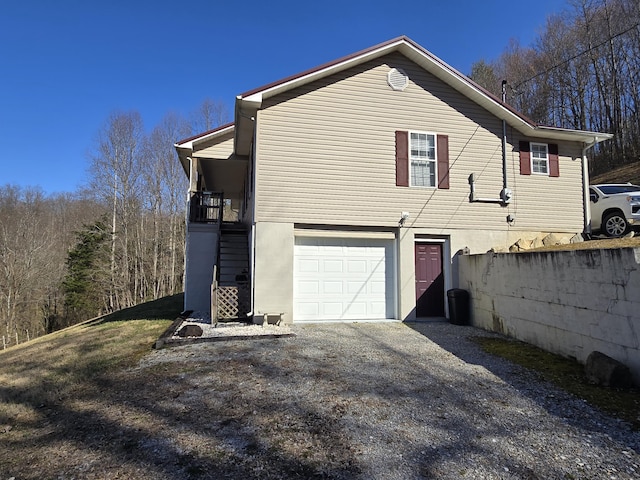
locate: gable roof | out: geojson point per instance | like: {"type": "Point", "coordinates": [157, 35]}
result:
{"type": "Point", "coordinates": [248, 103]}
{"type": "Point", "coordinates": [185, 147]}
{"type": "Point", "coordinates": [205, 136]}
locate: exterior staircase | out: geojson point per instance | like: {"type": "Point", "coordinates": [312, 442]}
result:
{"type": "Point", "coordinates": [233, 260]}
{"type": "Point", "coordinates": [230, 294]}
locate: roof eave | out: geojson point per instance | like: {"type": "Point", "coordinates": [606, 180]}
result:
{"type": "Point", "coordinates": [246, 110]}
{"type": "Point", "coordinates": [185, 147]}
{"type": "Point", "coordinates": [586, 137]}
{"type": "Point", "coordinates": [193, 141]}
{"type": "Point", "coordinates": [183, 155]}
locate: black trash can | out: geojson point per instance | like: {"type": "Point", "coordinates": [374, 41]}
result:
{"type": "Point", "coordinates": [458, 306]}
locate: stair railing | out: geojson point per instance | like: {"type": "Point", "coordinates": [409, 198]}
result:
{"type": "Point", "coordinates": [206, 207]}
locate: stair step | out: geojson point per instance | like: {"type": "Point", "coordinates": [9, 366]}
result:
{"type": "Point", "coordinates": [234, 237]}
{"type": "Point", "coordinates": [233, 258]}
{"type": "Point", "coordinates": [233, 269]}
{"type": "Point", "coordinates": [233, 255]}
{"type": "Point", "coordinates": [233, 246]}
{"type": "Point", "coordinates": [237, 246]}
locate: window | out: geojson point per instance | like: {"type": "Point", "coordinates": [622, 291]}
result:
{"type": "Point", "coordinates": [417, 154]}
{"type": "Point", "coordinates": [539, 158]}
{"type": "Point", "coordinates": [422, 148]}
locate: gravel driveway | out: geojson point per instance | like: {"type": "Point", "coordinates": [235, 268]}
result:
{"type": "Point", "coordinates": [376, 401]}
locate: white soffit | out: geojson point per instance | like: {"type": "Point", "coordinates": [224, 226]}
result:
{"type": "Point", "coordinates": [211, 135]}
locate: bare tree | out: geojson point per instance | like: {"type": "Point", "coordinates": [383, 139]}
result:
{"type": "Point", "coordinates": [165, 185]}
{"type": "Point", "coordinates": [581, 73]}
{"type": "Point", "coordinates": [115, 177]}
{"type": "Point", "coordinates": [35, 234]}
{"type": "Point", "coordinates": [210, 114]}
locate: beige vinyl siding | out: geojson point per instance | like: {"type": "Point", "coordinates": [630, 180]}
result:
{"type": "Point", "coordinates": [221, 147]}
{"type": "Point", "coordinates": [326, 155]}
{"type": "Point", "coordinates": [543, 201]}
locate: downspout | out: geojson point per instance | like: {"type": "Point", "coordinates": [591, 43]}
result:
{"type": "Point", "coordinates": [586, 202]}
{"type": "Point", "coordinates": [505, 194]}
{"type": "Point", "coordinates": [252, 256]}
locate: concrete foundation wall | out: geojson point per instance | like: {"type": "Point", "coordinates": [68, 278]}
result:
{"type": "Point", "coordinates": [273, 274]}
{"type": "Point", "coordinates": [570, 303]}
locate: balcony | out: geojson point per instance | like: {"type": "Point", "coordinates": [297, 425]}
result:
{"type": "Point", "coordinates": [206, 207]}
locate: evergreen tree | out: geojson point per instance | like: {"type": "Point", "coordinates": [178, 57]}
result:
{"type": "Point", "coordinates": [87, 273]}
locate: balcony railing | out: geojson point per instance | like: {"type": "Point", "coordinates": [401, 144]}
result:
{"type": "Point", "coordinates": [206, 207]}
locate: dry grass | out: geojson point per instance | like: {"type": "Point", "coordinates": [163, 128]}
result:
{"type": "Point", "coordinates": [606, 243]}
{"type": "Point", "coordinates": [41, 378]}
{"type": "Point", "coordinates": [568, 375]}
{"type": "Point", "coordinates": [627, 173]}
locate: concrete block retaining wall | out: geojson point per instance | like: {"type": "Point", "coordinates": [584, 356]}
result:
{"type": "Point", "coordinates": [570, 302]}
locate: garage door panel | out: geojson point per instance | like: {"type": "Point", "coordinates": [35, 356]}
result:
{"type": "Point", "coordinates": [356, 310]}
{"type": "Point", "coordinates": [377, 287]}
{"type": "Point", "coordinates": [331, 310]}
{"type": "Point", "coordinates": [356, 287]}
{"type": "Point", "coordinates": [331, 288]}
{"type": "Point", "coordinates": [344, 279]}
{"type": "Point", "coordinates": [378, 309]}
{"type": "Point", "coordinates": [308, 309]}
{"type": "Point", "coordinates": [356, 266]}
{"type": "Point", "coordinates": [309, 265]}
{"type": "Point", "coordinates": [332, 266]}
{"type": "Point", "coordinates": [311, 287]}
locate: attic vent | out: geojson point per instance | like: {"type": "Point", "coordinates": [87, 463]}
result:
{"type": "Point", "coordinates": [397, 79]}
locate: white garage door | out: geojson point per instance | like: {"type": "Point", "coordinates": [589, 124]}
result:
{"type": "Point", "coordinates": [343, 279]}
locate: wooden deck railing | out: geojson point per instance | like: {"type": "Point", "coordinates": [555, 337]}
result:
{"type": "Point", "coordinates": [206, 207]}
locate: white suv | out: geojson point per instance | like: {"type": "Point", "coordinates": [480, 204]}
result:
{"type": "Point", "coordinates": [615, 208]}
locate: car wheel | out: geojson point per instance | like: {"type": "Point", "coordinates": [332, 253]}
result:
{"type": "Point", "coordinates": [614, 224]}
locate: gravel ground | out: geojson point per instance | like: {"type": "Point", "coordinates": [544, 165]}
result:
{"type": "Point", "coordinates": [230, 329]}
{"type": "Point", "coordinates": [376, 401]}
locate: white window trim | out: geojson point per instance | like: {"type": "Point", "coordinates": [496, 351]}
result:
{"type": "Point", "coordinates": [533, 172]}
{"type": "Point", "coordinates": [435, 160]}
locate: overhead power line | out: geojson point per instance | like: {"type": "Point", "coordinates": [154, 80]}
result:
{"type": "Point", "coordinates": [564, 62]}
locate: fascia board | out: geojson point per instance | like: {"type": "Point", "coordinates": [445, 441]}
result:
{"type": "Point", "coordinates": [190, 143]}
{"type": "Point", "coordinates": [319, 73]}
{"type": "Point", "coordinates": [572, 135]}
{"type": "Point", "coordinates": [213, 135]}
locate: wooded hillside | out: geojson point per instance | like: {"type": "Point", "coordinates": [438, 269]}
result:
{"type": "Point", "coordinates": [582, 73]}
{"type": "Point", "coordinates": [116, 242]}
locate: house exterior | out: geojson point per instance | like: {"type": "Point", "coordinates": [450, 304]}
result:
{"type": "Point", "coordinates": [358, 183]}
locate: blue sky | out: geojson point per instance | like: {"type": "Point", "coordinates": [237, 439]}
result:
{"type": "Point", "coordinates": [65, 65]}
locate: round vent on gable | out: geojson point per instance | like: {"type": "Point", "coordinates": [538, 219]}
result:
{"type": "Point", "coordinates": [397, 79]}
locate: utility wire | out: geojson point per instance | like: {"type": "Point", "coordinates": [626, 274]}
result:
{"type": "Point", "coordinates": [564, 62]}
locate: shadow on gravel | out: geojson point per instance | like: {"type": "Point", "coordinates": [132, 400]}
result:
{"type": "Point", "coordinates": [456, 339]}
{"type": "Point", "coordinates": [349, 401]}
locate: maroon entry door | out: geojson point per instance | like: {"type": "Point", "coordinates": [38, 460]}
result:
{"type": "Point", "coordinates": [429, 280]}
